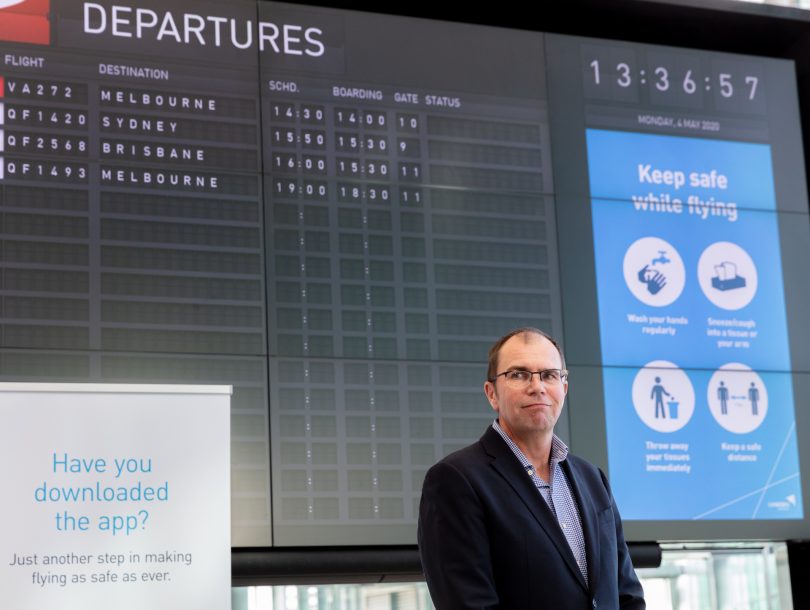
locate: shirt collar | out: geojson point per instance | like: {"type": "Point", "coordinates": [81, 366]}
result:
{"type": "Point", "coordinates": [559, 450]}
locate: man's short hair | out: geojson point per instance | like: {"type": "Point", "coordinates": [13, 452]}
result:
{"type": "Point", "coordinates": [495, 350]}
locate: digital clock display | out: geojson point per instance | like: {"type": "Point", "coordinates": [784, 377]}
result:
{"type": "Point", "coordinates": [684, 79]}
{"type": "Point", "coordinates": [689, 81]}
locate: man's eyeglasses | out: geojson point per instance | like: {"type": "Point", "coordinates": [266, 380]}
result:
{"type": "Point", "coordinates": [522, 377]}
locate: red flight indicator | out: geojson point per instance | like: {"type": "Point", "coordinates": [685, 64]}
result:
{"type": "Point", "coordinates": [25, 21]}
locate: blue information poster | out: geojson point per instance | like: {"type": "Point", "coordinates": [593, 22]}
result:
{"type": "Point", "coordinates": [698, 394]}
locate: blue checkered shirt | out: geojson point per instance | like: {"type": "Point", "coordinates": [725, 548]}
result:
{"type": "Point", "coordinates": [557, 495]}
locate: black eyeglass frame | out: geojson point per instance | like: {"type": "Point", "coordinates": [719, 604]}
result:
{"type": "Point", "coordinates": [562, 373]}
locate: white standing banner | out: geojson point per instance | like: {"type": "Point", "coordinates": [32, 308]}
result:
{"type": "Point", "coordinates": [115, 496]}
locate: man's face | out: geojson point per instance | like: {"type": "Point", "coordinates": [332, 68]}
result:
{"type": "Point", "coordinates": [524, 411]}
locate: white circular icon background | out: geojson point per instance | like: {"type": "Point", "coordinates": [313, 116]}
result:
{"type": "Point", "coordinates": [663, 396]}
{"type": "Point", "coordinates": [654, 271]}
{"type": "Point", "coordinates": [737, 397]}
{"type": "Point", "coordinates": [727, 275]}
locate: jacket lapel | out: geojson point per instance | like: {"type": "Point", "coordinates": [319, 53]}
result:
{"type": "Point", "coordinates": [590, 525]}
{"type": "Point", "coordinates": [510, 468]}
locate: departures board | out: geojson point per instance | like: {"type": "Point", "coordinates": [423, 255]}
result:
{"type": "Point", "coordinates": [337, 213]}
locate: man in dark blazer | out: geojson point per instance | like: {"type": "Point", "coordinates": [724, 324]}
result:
{"type": "Point", "coordinates": [513, 521]}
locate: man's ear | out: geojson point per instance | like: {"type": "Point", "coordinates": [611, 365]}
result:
{"type": "Point", "coordinates": [492, 395]}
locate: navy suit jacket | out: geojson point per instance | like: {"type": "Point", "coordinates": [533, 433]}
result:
{"type": "Point", "coordinates": [488, 539]}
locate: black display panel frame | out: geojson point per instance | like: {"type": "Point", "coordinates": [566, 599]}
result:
{"type": "Point", "coordinates": [252, 420]}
